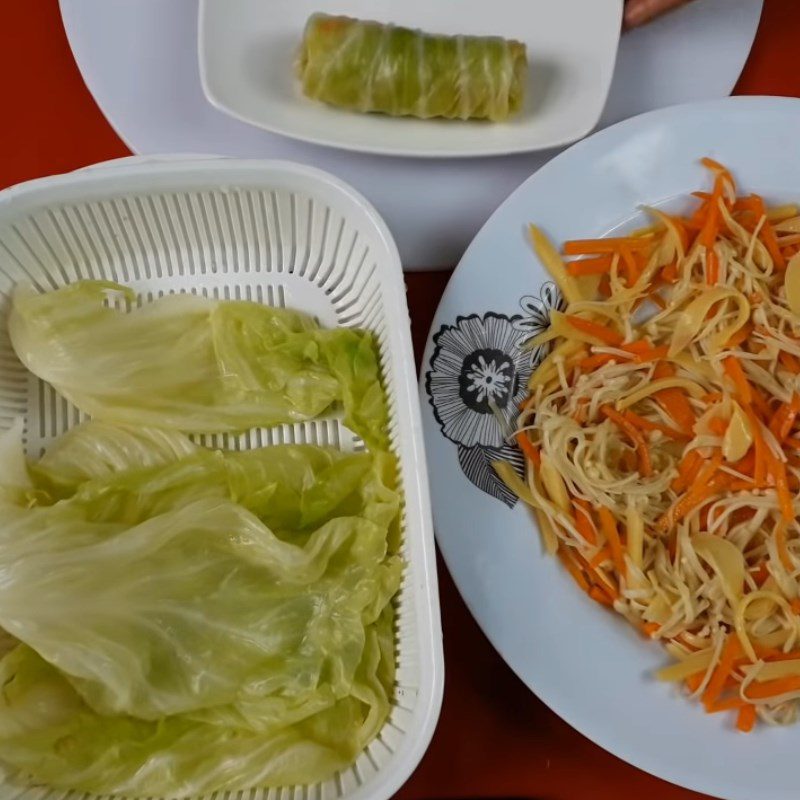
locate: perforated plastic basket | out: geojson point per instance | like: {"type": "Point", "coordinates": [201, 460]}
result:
{"type": "Point", "coordinates": [277, 233]}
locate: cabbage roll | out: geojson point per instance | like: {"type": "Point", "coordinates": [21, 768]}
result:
{"type": "Point", "coordinates": [368, 66]}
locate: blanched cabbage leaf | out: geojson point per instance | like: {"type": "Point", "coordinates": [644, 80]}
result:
{"type": "Point", "coordinates": [48, 731]}
{"type": "Point", "coordinates": [192, 364]}
{"type": "Point", "coordinates": [192, 619]}
{"type": "Point", "coordinates": [131, 474]}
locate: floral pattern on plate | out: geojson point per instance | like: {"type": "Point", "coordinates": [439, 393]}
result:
{"type": "Point", "coordinates": [477, 378]}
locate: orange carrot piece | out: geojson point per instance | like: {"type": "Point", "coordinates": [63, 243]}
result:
{"type": "Point", "coordinates": [726, 704]}
{"type": "Point", "coordinates": [646, 425]}
{"type": "Point", "coordinates": [583, 519]}
{"type": "Point", "coordinates": [719, 169]}
{"type": "Point", "coordinates": [573, 570]}
{"type": "Point", "coordinates": [761, 573]}
{"type": "Point", "coordinates": [762, 691]}
{"type": "Point", "coordinates": [669, 273]}
{"type": "Point", "coordinates": [709, 231]}
{"type": "Point", "coordinates": [782, 423]}
{"type": "Point", "coordinates": [783, 550]}
{"type": "Point", "coordinates": [712, 268]}
{"type": "Point", "coordinates": [707, 484]}
{"type": "Point", "coordinates": [718, 426]}
{"type": "Point", "coordinates": [693, 681]}
{"type": "Point", "coordinates": [597, 594]}
{"type": "Point", "coordinates": [635, 435]}
{"type": "Point", "coordinates": [650, 628]}
{"type": "Point", "coordinates": [733, 369]}
{"type": "Point", "coordinates": [601, 332]}
{"type": "Point", "coordinates": [643, 355]}
{"type": "Point", "coordinates": [599, 265]}
{"type": "Point", "coordinates": [791, 362]}
{"type": "Point", "coordinates": [608, 525]}
{"type": "Point", "coordinates": [583, 247]}
{"type": "Point", "coordinates": [746, 718]}
{"type": "Point", "coordinates": [731, 650]}
{"type": "Point", "coordinates": [631, 267]}
{"type": "Point", "coordinates": [530, 450]}
{"type": "Point", "coordinates": [759, 449]}
{"type": "Point", "coordinates": [674, 401]}
{"type": "Point", "coordinates": [591, 363]}
{"type": "Point", "coordinates": [602, 555]}
{"type": "Point", "coordinates": [767, 234]}
{"type": "Point", "coordinates": [740, 336]}
{"type": "Point", "coordinates": [688, 470]}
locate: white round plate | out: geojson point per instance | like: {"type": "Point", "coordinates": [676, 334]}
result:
{"type": "Point", "coordinates": [139, 59]}
{"type": "Point", "coordinates": [588, 665]}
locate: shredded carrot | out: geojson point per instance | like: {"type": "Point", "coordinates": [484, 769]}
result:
{"type": "Point", "coordinates": [767, 234]}
{"type": "Point", "coordinates": [733, 369]}
{"type": "Point", "coordinates": [688, 470]}
{"type": "Point", "coordinates": [582, 247]}
{"type": "Point", "coordinates": [746, 718]}
{"type": "Point", "coordinates": [693, 681]}
{"type": "Point", "coordinates": [644, 352]}
{"type": "Point", "coordinates": [783, 550]}
{"type": "Point", "coordinates": [600, 332]}
{"type": "Point", "coordinates": [720, 169]}
{"type": "Point", "coordinates": [583, 519]}
{"type": "Point", "coordinates": [635, 435]}
{"type": "Point", "coordinates": [761, 691]}
{"type": "Point", "coordinates": [598, 265]}
{"type": "Point", "coordinates": [674, 401]}
{"type": "Point", "coordinates": [631, 267]}
{"type": "Point", "coordinates": [530, 450]}
{"type": "Point", "coordinates": [705, 487]}
{"type": "Point", "coordinates": [782, 423]}
{"type": "Point", "coordinates": [596, 593]}
{"type": "Point", "coordinates": [591, 363]}
{"type": "Point", "coordinates": [712, 268]}
{"type": "Point", "coordinates": [669, 273]}
{"type": "Point", "coordinates": [761, 573]}
{"type": "Point", "coordinates": [651, 628]}
{"type": "Point", "coordinates": [608, 525]}
{"type": "Point", "coordinates": [759, 449]}
{"type": "Point", "coordinates": [731, 650]}
{"type": "Point", "coordinates": [791, 362]}
{"type": "Point", "coordinates": [708, 233]}
{"type": "Point", "coordinates": [742, 335]}
{"type": "Point", "coordinates": [573, 569]}
{"type": "Point", "coordinates": [727, 704]}
{"type": "Point", "coordinates": [718, 426]}
{"type": "Point", "coordinates": [602, 555]}
{"type": "Point", "coordinates": [646, 425]}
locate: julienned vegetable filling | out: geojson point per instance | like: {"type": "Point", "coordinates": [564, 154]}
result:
{"type": "Point", "coordinates": [662, 446]}
{"type": "Point", "coordinates": [175, 619]}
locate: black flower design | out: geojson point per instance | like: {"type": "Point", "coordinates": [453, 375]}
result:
{"type": "Point", "coordinates": [478, 375]}
{"type": "Point", "coordinates": [536, 311]}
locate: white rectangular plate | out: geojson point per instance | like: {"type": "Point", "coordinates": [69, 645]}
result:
{"type": "Point", "coordinates": [247, 52]}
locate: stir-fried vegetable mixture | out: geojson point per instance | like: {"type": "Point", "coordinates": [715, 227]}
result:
{"type": "Point", "coordinates": [662, 441]}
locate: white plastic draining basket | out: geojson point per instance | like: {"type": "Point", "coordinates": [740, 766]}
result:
{"type": "Point", "coordinates": [276, 233]}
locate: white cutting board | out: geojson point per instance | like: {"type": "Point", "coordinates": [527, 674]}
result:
{"type": "Point", "coordinates": [139, 60]}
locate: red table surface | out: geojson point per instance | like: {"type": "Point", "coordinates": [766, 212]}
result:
{"type": "Point", "coordinates": [494, 738]}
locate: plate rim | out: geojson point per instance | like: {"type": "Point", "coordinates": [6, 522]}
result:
{"type": "Point", "coordinates": [640, 760]}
